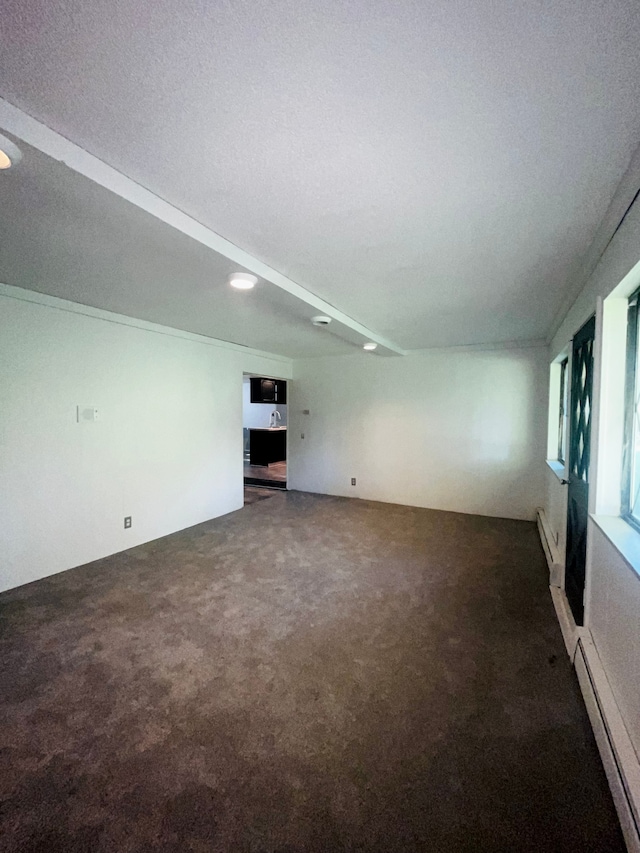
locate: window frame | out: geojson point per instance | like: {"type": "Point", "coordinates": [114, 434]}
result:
{"type": "Point", "coordinates": [632, 377]}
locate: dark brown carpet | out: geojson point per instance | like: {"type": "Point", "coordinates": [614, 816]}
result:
{"type": "Point", "coordinates": [307, 674]}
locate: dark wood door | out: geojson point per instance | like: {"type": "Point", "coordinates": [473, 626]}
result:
{"type": "Point", "coordinates": [579, 455]}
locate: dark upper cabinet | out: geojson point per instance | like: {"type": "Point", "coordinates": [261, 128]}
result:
{"type": "Point", "coordinates": [263, 390]}
{"type": "Point", "coordinates": [268, 390]}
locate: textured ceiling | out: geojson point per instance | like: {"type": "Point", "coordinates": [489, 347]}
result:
{"type": "Point", "coordinates": [90, 246]}
{"type": "Point", "coordinates": [435, 170]}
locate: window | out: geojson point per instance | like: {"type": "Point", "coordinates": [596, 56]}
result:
{"type": "Point", "coordinates": [558, 414]}
{"type": "Point", "coordinates": [630, 504]}
{"type": "Point", "coordinates": [563, 412]}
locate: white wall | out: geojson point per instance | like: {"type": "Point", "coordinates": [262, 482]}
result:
{"type": "Point", "coordinates": [555, 507]}
{"type": "Point", "coordinates": [460, 430]}
{"type": "Point", "coordinates": [166, 450]}
{"type": "Point", "coordinates": [613, 587]}
{"type": "Point", "coordinates": [614, 614]}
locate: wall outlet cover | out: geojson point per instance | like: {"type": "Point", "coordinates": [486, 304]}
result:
{"type": "Point", "coordinates": [127, 522]}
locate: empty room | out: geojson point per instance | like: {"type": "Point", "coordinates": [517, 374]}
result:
{"type": "Point", "coordinates": [319, 426]}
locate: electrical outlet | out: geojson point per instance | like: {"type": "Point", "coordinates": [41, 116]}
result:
{"type": "Point", "coordinates": [301, 435]}
{"type": "Point", "coordinates": [127, 522]}
{"type": "Point", "coordinates": [353, 481]}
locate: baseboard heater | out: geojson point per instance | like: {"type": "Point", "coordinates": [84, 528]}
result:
{"type": "Point", "coordinates": [550, 547]}
{"type": "Point", "coordinates": [616, 750]}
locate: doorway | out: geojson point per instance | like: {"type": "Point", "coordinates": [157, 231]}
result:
{"type": "Point", "coordinates": [579, 459]}
{"type": "Point", "coordinates": [264, 428]}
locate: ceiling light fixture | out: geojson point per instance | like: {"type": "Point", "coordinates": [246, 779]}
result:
{"type": "Point", "coordinates": [242, 280]}
{"type": "Point", "coordinates": [370, 346]}
{"type": "Point", "coordinates": [320, 320]}
{"type": "Point", "coordinates": [10, 154]}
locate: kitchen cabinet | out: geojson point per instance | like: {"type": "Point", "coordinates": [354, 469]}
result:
{"type": "Point", "coordinates": [265, 390]}
{"type": "Point", "coordinates": [267, 445]}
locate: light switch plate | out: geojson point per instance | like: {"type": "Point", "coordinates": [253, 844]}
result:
{"type": "Point", "coordinates": [87, 414]}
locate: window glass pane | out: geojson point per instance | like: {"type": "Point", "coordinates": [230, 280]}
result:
{"type": "Point", "coordinates": [634, 496]}
{"type": "Point", "coordinates": [630, 503]}
{"type": "Point", "coordinates": [563, 412]}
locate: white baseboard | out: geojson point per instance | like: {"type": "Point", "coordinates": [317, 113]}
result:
{"type": "Point", "coordinates": [550, 547]}
{"type": "Point", "coordinates": [618, 756]}
{"type": "Point", "coordinates": [616, 750]}
{"type": "Point", "coordinates": [570, 631]}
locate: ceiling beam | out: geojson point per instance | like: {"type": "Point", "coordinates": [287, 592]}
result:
{"type": "Point", "coordinates": [38, 135]}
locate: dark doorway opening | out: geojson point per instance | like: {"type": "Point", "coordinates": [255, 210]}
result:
{"type": "Point", "coordinates": [264, 421]}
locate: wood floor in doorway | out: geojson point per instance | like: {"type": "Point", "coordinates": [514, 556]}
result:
{"type": "Point", "coordinates": [277, 471]}
{"type": "Point", "coordinates": [253, 494]}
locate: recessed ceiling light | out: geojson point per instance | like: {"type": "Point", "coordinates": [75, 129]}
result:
{"type": "Point", "coordinates": [10, 154]}
{"type": "Point", "coordinates": [370, 346]}
{"type": "Point", "coordinates": [242, 280]}
{"type": "Point", "coordinates": [320, 320]}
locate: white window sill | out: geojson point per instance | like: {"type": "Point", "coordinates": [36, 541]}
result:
{"type": "Point", "coordinates": [623, 537]}
{"type": "Point", "coordinates": [558, 469]}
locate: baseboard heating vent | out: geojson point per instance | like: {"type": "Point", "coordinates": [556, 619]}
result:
{"type": "Point", "coordinates": [616, 750]}
{"type": "Point", "coordinates": [550, 547]}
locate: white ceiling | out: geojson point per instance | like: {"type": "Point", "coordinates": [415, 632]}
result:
{"type": "Point", "coordinates": [437, 171]}
{"type": "Point", "coordinates": [89, 245]}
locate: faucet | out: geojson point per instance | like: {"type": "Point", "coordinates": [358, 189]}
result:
{"type": "Point", "coordinates": [274, 418]}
